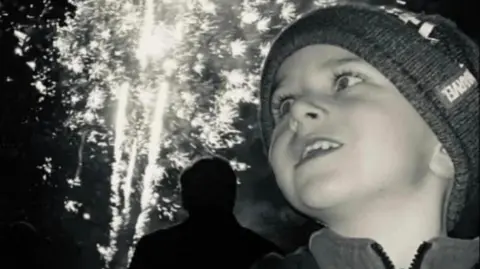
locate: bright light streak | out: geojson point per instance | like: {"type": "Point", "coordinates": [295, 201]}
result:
{"type": "Point", "coordinates": [145, 46]}
{"type": "Point", "coordinates": [170, 66]}
{"type": "Point", "coordinates": [264, 49]}
{"type": "Point", "coordinates": [128, 186]}
{"type": "Point", "coordinates": [141, 224]}
{"type": "Point", "coordinates": [156, 129]}
{"type": "Point", "coordinates": [115, 181]}
{"type": "Point", "coordinates": [76, 182]}
{"type": "Point", "coordinates": [325, 3]}
{"type": "Point", "coordinates": [121, 120]}
{"type": "Point", "coordinates": [156, 39]}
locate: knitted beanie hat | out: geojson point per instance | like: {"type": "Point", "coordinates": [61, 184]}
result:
{"type": "Point", "coordinates": [432, 63]}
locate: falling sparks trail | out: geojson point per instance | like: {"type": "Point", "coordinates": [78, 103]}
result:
{"type": "Point", "coordinates": [151, 172]}
{"type": "Point", "coordinates": [120, 125]}
{"type": "Point", "coordinates": [128, 187]}
{"type": "Point", "coordinates": [80, 157]}
{"type": "Point", "coordinates": [146, 46]}
{"type": "Point", "coordinates": [120, 122]}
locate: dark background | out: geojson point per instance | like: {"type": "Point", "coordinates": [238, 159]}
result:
{"type": "Point", "coordinates": [26, 138]}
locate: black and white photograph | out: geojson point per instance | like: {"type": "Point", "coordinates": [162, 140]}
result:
{"type": "Point", "coordinates": [239, 134]}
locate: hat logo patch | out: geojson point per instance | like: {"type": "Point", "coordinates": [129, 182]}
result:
{"type": "Point", "coordinates": [424, 28]}
{"type": "Point", "coordinates": [454, 90]}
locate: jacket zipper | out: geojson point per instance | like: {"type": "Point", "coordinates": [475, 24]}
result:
{"type": "Point", "coordinates": [417, 259]}
{"type": "Point", "coordinates": [383, 256]}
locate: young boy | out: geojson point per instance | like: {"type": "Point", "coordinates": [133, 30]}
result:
{"type": "Point", "coordinates": [370, 116]}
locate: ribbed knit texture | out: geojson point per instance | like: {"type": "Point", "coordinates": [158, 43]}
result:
{"type": "Point", "coordinates": [418, 67]}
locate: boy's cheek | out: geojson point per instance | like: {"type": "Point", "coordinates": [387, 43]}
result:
{"type": "Point", "coordinates": [277, 133]}
{"type": "Point", "coordinates": [375, 113]}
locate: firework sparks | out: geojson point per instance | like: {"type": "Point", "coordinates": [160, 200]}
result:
{"type": "Point", "coordinates": [154, 149]}
{"type": "Point", "coordinates": [153, 76]}
{"type": "Point", "coordinates": [128, 186]}
{"type": "Point", "coordinates": [116, 180]}
{"type": "Point", "coordinates": [288, 12]}
{"type": "Point", "coordinates": [146, 45]}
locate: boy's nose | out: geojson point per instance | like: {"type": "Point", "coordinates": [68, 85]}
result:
{"type": "Point", "coordinates": [306, 113]}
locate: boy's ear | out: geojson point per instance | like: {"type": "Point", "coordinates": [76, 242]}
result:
{"type": "Point", "coordinates": [441, 164]}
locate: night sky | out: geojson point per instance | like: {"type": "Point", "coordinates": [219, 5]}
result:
{"type": "Point", "coordinates": [63, 77]}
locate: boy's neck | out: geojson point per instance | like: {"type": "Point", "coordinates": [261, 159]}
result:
{"type": "Point", "coordinates": [400, 226]}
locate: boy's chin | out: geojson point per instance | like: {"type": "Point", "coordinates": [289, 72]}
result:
{"type": "Point", "coordinates": [313, 202]}
{"type": "Point", "coordinates": [317, 196]}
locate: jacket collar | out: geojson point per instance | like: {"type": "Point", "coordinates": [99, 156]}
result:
{"type": "Point", "coordinates": [331, 250]}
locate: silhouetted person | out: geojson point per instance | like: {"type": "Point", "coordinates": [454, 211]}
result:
{"type": "Point", "coordinates": [211, 237]}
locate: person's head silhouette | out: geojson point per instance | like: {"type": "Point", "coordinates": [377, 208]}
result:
{"type": "Point", "coordinates": [208, 185]}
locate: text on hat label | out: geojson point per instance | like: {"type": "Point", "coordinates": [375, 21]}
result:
{"type": "Point", "coordinates": [458, 87]}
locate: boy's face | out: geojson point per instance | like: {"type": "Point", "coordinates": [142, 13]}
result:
{"type": "Point", "coordinates": [375, 144]}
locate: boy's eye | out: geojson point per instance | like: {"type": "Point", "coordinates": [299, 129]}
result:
{"type": "Point", "coordinates": [285, 106]}
{"type": "Point", "coordinates": [344, 81]}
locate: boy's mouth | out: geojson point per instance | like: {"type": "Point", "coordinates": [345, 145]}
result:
{"type": "Point", "coordinates": [318, 147]}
